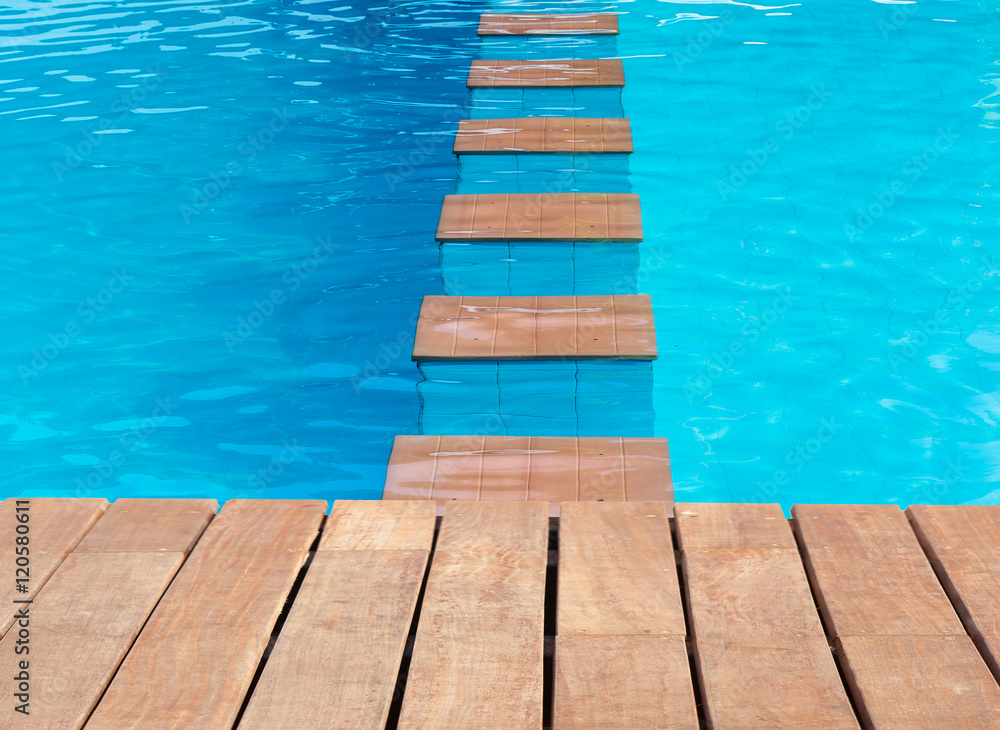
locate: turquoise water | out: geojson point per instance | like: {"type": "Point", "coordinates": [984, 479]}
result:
{"type": "Point", "coordinates": [219, 218]}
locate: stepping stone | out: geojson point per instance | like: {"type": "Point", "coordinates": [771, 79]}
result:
{"type": "Point", "coordinates": [553, 469]}
{"type": "Point", "coordinates": [577, 72]}
{"type": "Point", "coordinates": [548, 24]}
{"type": "Point", "coordinates": [618, 327]}
{"type": "Point", "coordinates": [594, 217]}
{"type": "Point", "coordinates": [571, 135]}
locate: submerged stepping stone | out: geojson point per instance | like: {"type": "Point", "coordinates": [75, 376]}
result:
{"type": "Point", "coordinates": [592, 217]}
{"type": "Point", "coordinates": [548, 24]}
{"type": "Point", "coordinates": [576, 72]}
{"type": "Point", "coordinates": [572, 135]}
{"type": "Point", "coordinates": [618, 327]}
{"type": "Point", "coordinates": [552, 469]}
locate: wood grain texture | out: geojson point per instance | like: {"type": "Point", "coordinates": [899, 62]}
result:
{"type": "Point", "coordinates": [553, 135]}
{"type": "Point", "coordinates": [336, 660]}
{"type": "Point", "coordinates": [374, 525]}
{"type": "Point", "coordinates": [477, 660]}
{"type": "Point", "coordinates": [762, 656]}
{"type": "Point", "coordinates": [548, 24]}
{"type": "Point", "coordinates": [551, 73]}
{"type": "Point", "coordinates": [963, 545]}
{"type": "Point", "coordinates": [489, 526]}
{"type": "Point", "coordinates": [596, 217]}
{"type": "Point", "coordinates": [623, 682]}
{"type": "Point", "coordinates": [618, 327]}
{"type": "Point", "coordinates": [81, 626]}
{"type": "Point", "coordinates": [970, 528]}
{"type": "Point", "coordinates": [920, 682]}
{"type": "Point", "coordinates": [149, 525]}
{"type": "Point", "coordinates": [194, 660]}
{"type": "Point", "coordinates": [870, 574]}
{"type": "Point", "coordinates": [617, 573]}
{"type": "Point", "coordinates": [56, 527]}
{"type": "Point", "coordinates": [547, 469]}
{"type": "Point", "coordinates": [770, 687]}
{"type": "Point", "coordinates": [709, 526]}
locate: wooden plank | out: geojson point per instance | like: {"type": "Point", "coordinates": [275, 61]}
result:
{"type": "Point", "coordinates": [617, 573]}
{"type": "Point", "coordinates": [621, 658]}
{"type": "Point", "coordinates": [592, 216]}
{"type": "Point", "coordinates": [81, 626]}
{"type": "Point", "coordinates": [477, 660]}
{"type": "Point", "coordinates": [963, 545]}
{"type": "Point", "coordinates": [548, 24]}
{"type": "Point", "coordinates": [558, 135]}
{"type": "Point", "coordinates": [445, 313]}
{"type": "Point", "coordinates": [336, 661]}
{"type": "Point", "coordinates": [720, 526]}
{"type": "Point", "coordinates": [762, 657]}
{"type": "Point", "coordinates": [597, 217]}
{"type": "Point", "coordinates": [412, 467]}
{"type": "Point", "coordinates": [97, 600]}
{"type": "Point", "coordinates": [194, 660]}
{"type": "Point", "coordinates": [778, 687]}
{"type": "Point", "coordinates": [551, 73]}
{"type": "Point", "coordinates": [459, 215]}
{"type": "Point", "coordinates": [919, 682]}
{"type": "Point", "coordinates": [623, 682]}
{"type": "Point", "coordinates": [547, 469]}
{"type": "Point", "coordinates": [870, 573]}
{"type": "Point", "coordinates": [537, 328]}
{"type": "Point", "coordinates": [608, 74]}
{"type": "Point", "coordinates": [953, 528]}
{"type": "Point", "coordinates": [56, 526]}
{"type": "Point", "coordinates": [149, 525]}
{"type": "Point", "coordinates": [372, 525]}
{"type": "Point", "coordinates": [646, 471]}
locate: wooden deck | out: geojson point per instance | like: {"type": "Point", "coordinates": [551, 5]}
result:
{"type": "Point", "coordinates": [548, 24]}
{"type": "Point", "coordinates": [564, 135]}
{"type": "Point", "coordinates": [615, 327]}
{"type": "Point", "coordinates": [158, 613]}
{"type": "Point", "coordinates": [550, 73]}
{"type": "Point", "coordinates": [592, 217]}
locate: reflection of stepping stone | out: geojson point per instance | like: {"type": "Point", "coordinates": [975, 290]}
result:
{"type": "Point", "coordinates": [548, 24]}
{"type": "Point", "coordinates": [541, 217]}
{"type": "Point", "coordinates": [578, 72]}
{"type": "Point", "coordinates": [618, 327]}
{"type": "Point", "coordinates": [553, 469]}
{"type": "Point", "coordinates": [543, 134]}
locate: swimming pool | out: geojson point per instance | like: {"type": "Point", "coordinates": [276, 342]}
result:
{"type": "Point", "coordinates": [220, 226]}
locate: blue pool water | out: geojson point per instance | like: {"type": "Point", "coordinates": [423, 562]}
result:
{"type": "Point", "coordinates": [218, 225]}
